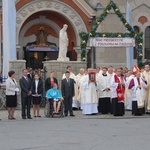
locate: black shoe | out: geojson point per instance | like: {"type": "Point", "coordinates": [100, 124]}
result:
{"type": "Point", "coordinates": [29, 117]}
{"type": "Point", "coordinates": [94, 114]}
{"type": "Point", "coordinates": [74, 108]}
{"type": "Point", "coordinates": [13, 118]}
{"type": "Point", "coordinates": [72, 115]}
{"type": "Point", "coordinates": [66, 115]}
{"type": "Point", "coordinates": [24, 118]}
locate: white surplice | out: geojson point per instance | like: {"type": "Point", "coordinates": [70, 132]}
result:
{"type": "Point", "coordinates": [138, 94]}
{"type": "Point", "coordinates": [114, 86]}
{"type": "Point", "coordinates": [103, 82]}
{"type": "Point", "coordinates": [128, 92]}
{"type": "Point", "coordinates": [72, 76]}
{"type": "Point", "coordinates": [78, 83]}
{"type": "Point", "coordinates": [77, 98]}
{"type": "Point", "coordinates": [147, 92]}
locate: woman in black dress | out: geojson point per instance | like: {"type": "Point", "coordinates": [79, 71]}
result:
{"type": "Point", "coordinates": [11, 94]}
{"type": "Point", "coordinates": [37, 88]}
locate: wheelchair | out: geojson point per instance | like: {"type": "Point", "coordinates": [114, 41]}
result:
{"type": "Point", "coordinates": [49, 109]}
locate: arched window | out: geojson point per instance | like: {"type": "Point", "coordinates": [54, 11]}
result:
{"type": "Point", "coordinates": [137, 30]}
{"type": "Point", "coordinates": [147, 42]}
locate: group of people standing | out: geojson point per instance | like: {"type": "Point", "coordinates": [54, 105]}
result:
{"type": "Point", "coordinates": [31, 88]}
{"type": "Point", "coordinates": [67, 89]}
{"type": "Point", "coordinates": [31, 85]}
{"type": "Point", "coordinates": [112, 91]}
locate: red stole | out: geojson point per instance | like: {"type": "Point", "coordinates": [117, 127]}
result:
{"type": "Point", "coordinates": [120, 89]}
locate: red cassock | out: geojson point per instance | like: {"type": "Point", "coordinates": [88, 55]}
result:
{"type": "Point", "coordinates": [120, 89]}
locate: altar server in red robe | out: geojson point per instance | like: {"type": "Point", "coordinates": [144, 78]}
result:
{"type": "Point", "coordinates": [117, 93]}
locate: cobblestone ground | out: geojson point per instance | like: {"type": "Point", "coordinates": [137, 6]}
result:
{"type": "Point", "coordinates": [78, 114]}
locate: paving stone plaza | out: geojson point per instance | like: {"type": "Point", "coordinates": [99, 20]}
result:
{"type": "Point", "coordinates": [30, 38]}
{"type": "Point", "coordinates": [78, 114]}
{"type": "Point", "coordinates": [72, 133]}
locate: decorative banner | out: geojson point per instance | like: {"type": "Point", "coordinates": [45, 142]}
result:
{"type": "Point", "coordinates": [41, 48]}
{"type": "Point", "coordinates": [112, 42]}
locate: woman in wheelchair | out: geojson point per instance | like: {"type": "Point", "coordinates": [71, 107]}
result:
{"type": "Point", "coordinates": [54, 94]}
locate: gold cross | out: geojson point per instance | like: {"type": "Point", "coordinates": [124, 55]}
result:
{"type": "Point", "coordinates": [46, 58]}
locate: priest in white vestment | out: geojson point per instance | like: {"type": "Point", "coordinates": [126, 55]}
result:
{"type": "Point", "coordinates": [128, 99]}
{"type": "Point", "coordinates": [72, 75]}
{"type": "Point", "coordinates": [104, 92]}
{"type": "Point", "coordinates": [98, 73]}
{"type": "Point", "coordinates": [146, 75]}
{"type": "Point", "coordinates": [110, 74]}
{"type": "Point", "coordinates": [137, 85]}
{"type": "Point", "coordinates": [78, 86]}
{"type": "Point", "coordinates": [89, 100]}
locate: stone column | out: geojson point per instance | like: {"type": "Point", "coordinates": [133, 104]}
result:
{"type": "Point", "coordinates": [17, 66]}
{"type": "Point", "coordinates": [0, 39]}
{"type": "Point", "coordinates": [78, 51]}
{"type": "Point", "coordinates": [17, 52]}
{"type": "Point", "coordinates": [87, 50]}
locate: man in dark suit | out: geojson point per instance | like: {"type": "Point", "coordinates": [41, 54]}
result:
{"type": "Point", "coordinates": [67, 89]}
{"type": "Point", "coordinates": [30, 74]}
{"type": "Point", "coordinates": [25, 85]}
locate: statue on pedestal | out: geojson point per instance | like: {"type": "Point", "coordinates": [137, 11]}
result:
{"type": "Point", "coordinates": [63, 44]}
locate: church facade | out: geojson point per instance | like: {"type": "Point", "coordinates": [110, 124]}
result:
{"type": "Point", "coordinates": [51, 15]}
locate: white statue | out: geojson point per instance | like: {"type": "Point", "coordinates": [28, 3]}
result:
{"type": "Point", "coordinates": [63, 44]}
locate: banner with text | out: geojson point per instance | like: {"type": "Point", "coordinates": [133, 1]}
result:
{"type": "Point", "coordinates": [112, 42]}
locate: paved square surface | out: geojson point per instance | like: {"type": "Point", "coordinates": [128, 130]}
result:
{"type": "Point", "coordinates": [82, 132]}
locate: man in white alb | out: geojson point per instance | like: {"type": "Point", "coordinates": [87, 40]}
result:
{"type": "Point", "coordinates": [89, 100]}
